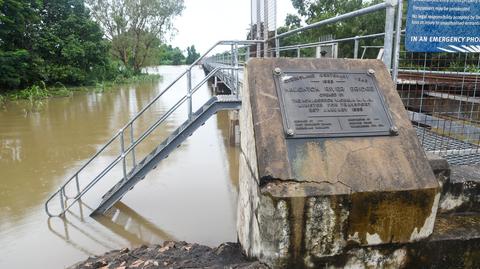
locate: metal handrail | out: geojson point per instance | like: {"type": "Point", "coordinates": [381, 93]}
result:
{"type": "Point", "coordinates": [133, 146]}
{"type": "Point", "coordinates": [338, 18]}
{"type": "Point", "coordinates": [61, 192]}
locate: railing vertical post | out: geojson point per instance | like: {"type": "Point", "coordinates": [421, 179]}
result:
{"type": "Point", "coordinates": [298, 51]}
{"type": "Point", "coordinates": [388, 41]}
{"type": "Point", "coordinates": [277, 47]}
{"type": "Point", "coordinates": [77, 184]}
{"type": "Point", "coordinates": [398, 37]}
{"type": "Point", "coordinates": [62, 205]}
{"type": "Point", "coordinates": [122, 145]}
{"type": "Point", "coordinates": [355, 47]}
{"type": "Point", "coordinates": [258, 29]}
{"type": "Point", "coordinates": [265, 28]}
{"type": "Point", "coordinates": [132, 141]}
{"type": "Point", "coordinates": [276, 32]}
{"type": "Point", "coordinates": [232, 61]}
{"type": "Point", "coordinates": [189, 93]}
{"type": "Point", "coordinates": [236, 70]}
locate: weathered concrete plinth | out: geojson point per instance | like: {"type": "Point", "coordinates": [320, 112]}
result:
{"type": "Point", "coordinates": [304, 200]}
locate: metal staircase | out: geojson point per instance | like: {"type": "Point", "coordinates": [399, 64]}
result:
{"type": "Point", "coordinates": [82, 182]}
{"type": "Point", "coordinates": [150, 162]}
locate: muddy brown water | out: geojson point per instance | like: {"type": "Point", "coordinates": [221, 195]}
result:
{"type": "Point", "coordinates": [191, 196]}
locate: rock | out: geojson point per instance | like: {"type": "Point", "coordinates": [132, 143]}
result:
{"type": "Point", "coordinates": [173, 255]}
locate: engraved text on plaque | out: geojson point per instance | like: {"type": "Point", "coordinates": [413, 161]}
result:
{"type": "Point", "coordinates": [332, 104]}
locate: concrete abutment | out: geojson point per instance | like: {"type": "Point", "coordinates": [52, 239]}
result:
{"type": "Point", "coordinates": [335, 202]}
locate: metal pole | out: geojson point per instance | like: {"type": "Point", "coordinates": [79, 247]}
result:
{"type": "Point", "coordinates": [77, 185]}
{"type": "Point", "coordinates": [62, 205]}
{"type": "Point", "coordinates": [355, 49]}
{"type": "Point", "coordinates": [389, 25]}
{"type": "Point", "coordinates": [189, 92]}
{"type": "Point", "coordinates": [277, 47]}
{"type": "Point", "coordinates": [265, 28]}
{"type": "Point", "coordinates": [237, 88]}
{"type": "Point", "coordinates": [232, 61]}
{"type": "Point", "coordinates": [259, 46]}
{"type": "Point", "coordinates": [276, 32]}
{"type": "Point", "coordinates": [251, 20]}
{"type": "Point", "coordinates": [298, 52]}
{"type": "Point", "coordinates": [124, 165]}
{"type": "Point", "coordinates": [132, 141]}
{"type": "Point", "coordinates": [345, 16]}
{"type": "Point", "coordinates": [398, 38]}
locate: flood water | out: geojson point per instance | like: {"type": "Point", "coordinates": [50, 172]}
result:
{"type": "Point", "coordinates": [191, 196]}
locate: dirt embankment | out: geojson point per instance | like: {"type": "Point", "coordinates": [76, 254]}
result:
{"type": "Point", "coordinates": [173, 255]}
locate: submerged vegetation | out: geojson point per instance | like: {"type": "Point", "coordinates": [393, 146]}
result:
{"type": "Point", "coordinates": [41, 91]}
{"type": "Point", "coordinates": [53, 47]}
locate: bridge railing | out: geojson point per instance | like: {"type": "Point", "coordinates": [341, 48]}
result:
{"type": "Point", "coordinates": [442, 100]}
{"type": "Point", "coordinates": [438, 89]}
{"type": "Point", "coordinates": [130, 136]}
{"type": "Point", "coordinates": [393, 9]}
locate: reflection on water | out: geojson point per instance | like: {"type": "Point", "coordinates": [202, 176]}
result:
{"type": "Point", "coordinates": [191, 196]}
{"type": "Point", "coordinates": [123, 221]}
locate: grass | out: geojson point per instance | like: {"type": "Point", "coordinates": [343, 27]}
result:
{"type": "Point", "coordinates": [108, 85]}
{"type": "Point", "coordinates": [3, 101]}
{"type": "Point", "coordinates": [41, 91]}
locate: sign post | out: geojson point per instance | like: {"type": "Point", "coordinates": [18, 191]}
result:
{"type": "Point", "coordinates": [443, 26]}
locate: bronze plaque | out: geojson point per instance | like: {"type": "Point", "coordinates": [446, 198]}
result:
{"type": "Point", "coordinates": [332, 104]}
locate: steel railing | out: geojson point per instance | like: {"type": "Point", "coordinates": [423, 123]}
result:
{"type": "Point", "coordinates": [66, 201]}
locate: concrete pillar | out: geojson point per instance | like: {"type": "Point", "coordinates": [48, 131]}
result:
{"type": "Point", "coordinates": [303, 200]}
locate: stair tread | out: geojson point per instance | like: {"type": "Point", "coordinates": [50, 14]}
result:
{"type": "Point", "coordinates": [176, 134]}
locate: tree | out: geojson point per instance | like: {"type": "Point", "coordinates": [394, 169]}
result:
{"type": "Point", "coordinates": [50, 41]}
{"type": "Point", "coordinates": [192, 55]}
{"type": "Point", "coordinates": [134, 26]}
{"type": "Point", "coordinates": [313, 11]}
{"type": "Point", "coordinates": [70, 44]}
{"type": "Point", "coordinates": [167, 55]}
{"type": "Point", "coordinates": [17, 23]}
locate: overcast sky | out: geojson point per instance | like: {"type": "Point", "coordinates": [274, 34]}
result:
{"type": "Point", "coordinates": [204, 22]}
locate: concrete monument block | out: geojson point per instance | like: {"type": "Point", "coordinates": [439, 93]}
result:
{"type": "Point", "coordinates": [329, 159]}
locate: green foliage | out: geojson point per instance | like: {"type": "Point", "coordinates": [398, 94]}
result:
{"type": "Point", "coordinates": [18, 20]}
{"type": "Point", "coordinates": [314, 11]}
{"type": "Point", "coordinates": [192, 55]}
{"type": "Point", "coordinates": [3, 101]}
{"type": "Point", "coordinates": [35, 92]}
{"type": "Point", "coordinates": [70, 44]}
{"type": "Point", "coordinates": [53, 41]}
{"type": "Point", "coordinates": [135, 28]}
{"type": "Point", "coordinates": [167, 55]}
{"type": "Point", "coordinates": [14, 67]}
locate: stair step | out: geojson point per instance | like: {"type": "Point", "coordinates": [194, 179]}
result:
{"type": "Point", "coordinates": [178, 135]}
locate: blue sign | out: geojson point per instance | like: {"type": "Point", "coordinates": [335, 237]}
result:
{"type": "Point", "coordinates": [443, 26]}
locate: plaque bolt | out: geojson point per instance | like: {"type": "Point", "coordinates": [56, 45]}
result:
{"type": "Point", "coordinates": [394, 130]}
{"type": "Point", "coordinates": [371, 72]}
{"type": "Point", "coordinates": [277, 71]}
{"type": "Point", "coordinates": [290, 132]}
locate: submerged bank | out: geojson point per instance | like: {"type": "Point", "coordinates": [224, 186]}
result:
{"type": "Point", "coordinates": [42, 91]}
{"type": "Point", "coordinates": [173, 255]}
{"type": "Point", "coordinates": [179, 201]}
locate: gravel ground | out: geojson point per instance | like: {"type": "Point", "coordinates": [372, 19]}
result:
{"type": "Point", "coordinates": [173, 255]}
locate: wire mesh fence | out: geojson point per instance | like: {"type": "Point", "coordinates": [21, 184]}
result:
{"type": "Point", "coordinates": [439, 90]}
{"type": "Point", "coordinates": [263, 25]}
{"type": "Point", "coordinates": [440, 93]}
